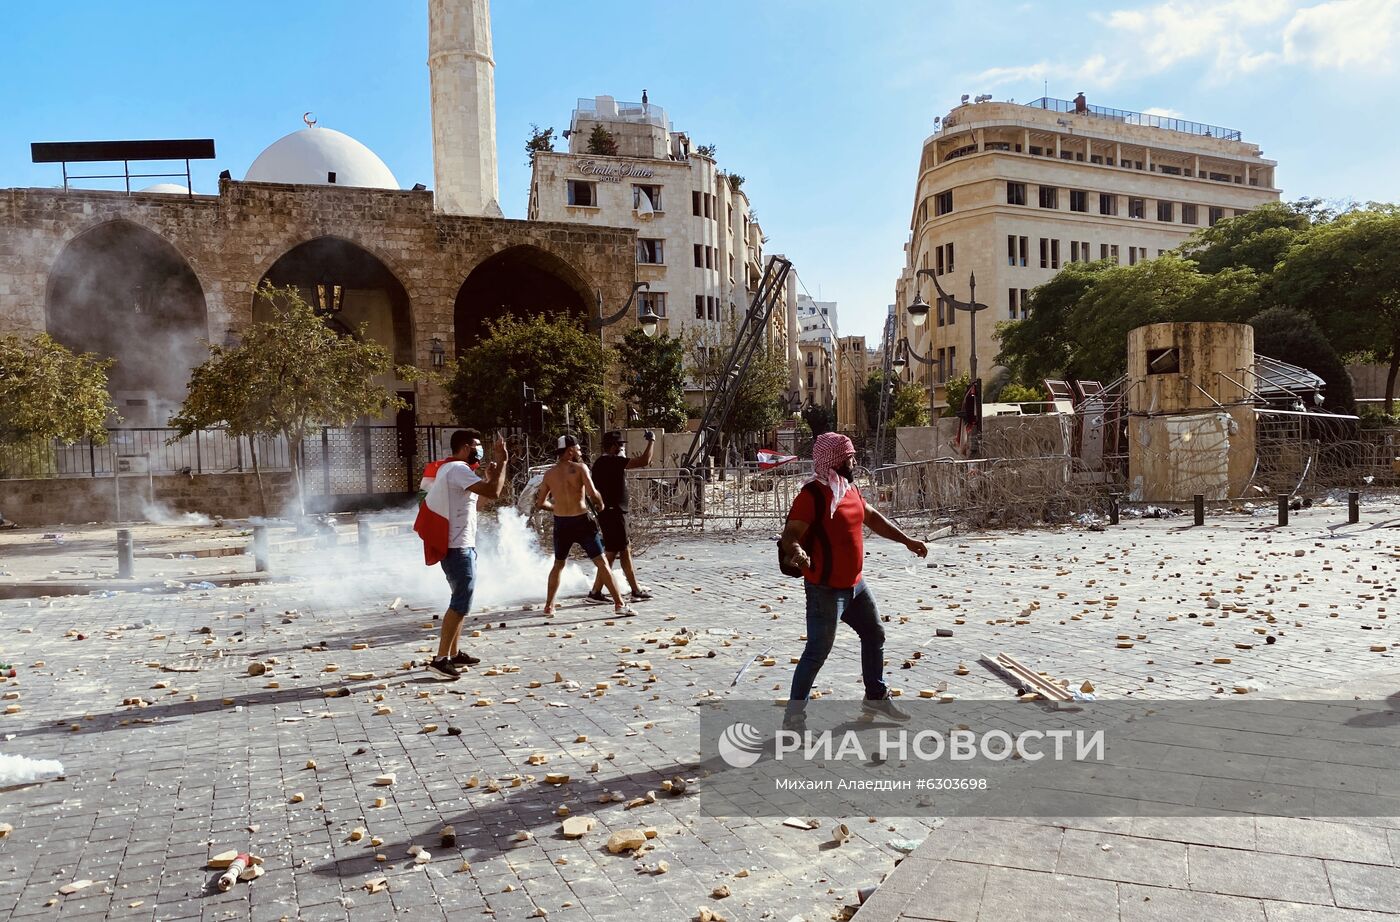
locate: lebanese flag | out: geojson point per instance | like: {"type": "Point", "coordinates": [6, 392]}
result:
{"type": "Point", "coordinates": [431, 524]}
{"type": "Point", "coordinates": [767, 460]}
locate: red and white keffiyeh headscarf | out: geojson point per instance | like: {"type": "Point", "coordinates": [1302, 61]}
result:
{"type": "Point", "coordinates": [828, 451]}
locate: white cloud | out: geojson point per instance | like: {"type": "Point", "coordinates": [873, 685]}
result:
{"type": "Point", "coordinates": [1226, 39]}
{"type": "Point", "coordinates": [1162, 111]}
{"type": "Point", "coordinates": [1343, 34]}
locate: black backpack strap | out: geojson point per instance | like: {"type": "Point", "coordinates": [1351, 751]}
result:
{"type": "Point", "coordinates": [818, 531]}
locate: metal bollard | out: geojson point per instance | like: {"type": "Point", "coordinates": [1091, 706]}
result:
{"type": "Point", "coordinates": [1283, 508]}
{"type": "Point", "coordinates": [1353, 507]}
{"type": "Point", "coordinates": [1200, 502]}
{"type": "Point", "coordinates": [126, 563]}
{"type": "Point", "coordinates": [1113, 500]}
{"type": "Point", "coordinates": [363, 534]}
{"type": "Point", "coordinates": [260, 548]}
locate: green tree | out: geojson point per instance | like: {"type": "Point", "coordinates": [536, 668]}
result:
{"type": "Point", "coordinates": [1020, 393]}
{"type": "Point", "coordinates": [736, 182]}
{"type": "Point", "coordinates": [707, 150]}
{"type": "Point", "coordinates": [548, 352]}
{"type": "Point", "coordinates": [1257, 239]}
{"type": "Point", "coordinates": [653, 381]}
{"type": "Point", "coordinates": [1079, 325]}
{"type": "Point", "coordinates": [758, 406]}
{"type": "Point", "coordinates": [954, 390]}
{"type": "Point", "coordinates": [1293, 336]}
{"type": "Point", "coordinates": [1347, 275]}
{"type": "Point", "coordinates": [819, 419]}
{"type": "Point", "coordinates": [288, 375]}
{"type": "Point", "coordinates": [908, 402]}
{"type": "Point", "coordinates": [540, 140]}
{"type": "Point", "coordinates": [602, 142]}
{"type": "Point", "coordinates": [47, 392]}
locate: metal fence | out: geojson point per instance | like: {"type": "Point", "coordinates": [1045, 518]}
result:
{"type": "Point", "coordinates": [335, 460]}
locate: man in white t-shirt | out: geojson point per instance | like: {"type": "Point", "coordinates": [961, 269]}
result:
{"type": "Point", "coordinates": [456, 486]}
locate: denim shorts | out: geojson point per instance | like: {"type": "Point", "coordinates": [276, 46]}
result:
{"type": "Point", "coordinates": [460, 567]}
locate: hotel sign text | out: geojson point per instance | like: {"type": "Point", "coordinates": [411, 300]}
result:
{"type": "Point", "coordinates": [614, 172]}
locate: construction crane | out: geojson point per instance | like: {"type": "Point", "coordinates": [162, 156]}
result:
{"type": "Point", "coordinates": [747, 341]}
{"type": "Point", "coordinates": [887, 387]}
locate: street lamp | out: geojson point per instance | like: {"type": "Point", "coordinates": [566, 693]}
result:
{"type": "Point", "coordinates": [972, 307]}
{"type": "Point", "coordinates": [646, 316]}
{"type": "Point", "coordinates": [918, 311]}
{"type": "Point", "coordinates": [437, 353]}
{"type": "Point", "coordinates": [898, 362]}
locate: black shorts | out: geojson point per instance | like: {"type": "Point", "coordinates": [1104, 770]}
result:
{"type": "Point", "coordinates": [613, 522]}
{"type": "Point", "coordinates": [576, 529]}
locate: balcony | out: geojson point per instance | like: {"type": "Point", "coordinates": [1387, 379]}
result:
{"type": "Point", "coordinates": [607, 109]}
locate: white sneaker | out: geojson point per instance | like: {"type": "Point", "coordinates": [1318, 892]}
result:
{"type": "Point", "coordinates": [626, 611]}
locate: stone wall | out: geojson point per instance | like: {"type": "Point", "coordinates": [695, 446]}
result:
{"type": "Point", "coordinates": [232, 239]}
{"type": "Point", "coordinates": [56, 501]}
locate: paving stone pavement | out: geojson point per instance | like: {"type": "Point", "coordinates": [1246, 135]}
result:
{"type": "Point", "coordinates": [211, 757]}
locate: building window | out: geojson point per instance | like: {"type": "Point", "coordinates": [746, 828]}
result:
{"type": "Point", "coordinates": [1165, 211]}
{"type": "Point", "coordinates": [1132, 256]}
{"type": "Point", "coordinates": [582, 193]}
{"type": "Point", "coordinates": [714, 307]}
{"type": "Point", "coordinates": [943, 202]}
{"type": "Point", "coordinates": [1074, 251]}
{"type": "Point", "coordinates": [699, 256]}
{"type": "Point", "coordinates": [951, 312]}
{"type": "Point", "coordinates": [942, 318]}
{"type": "Point", "coordinates": [1079, 251]}
{"type": "Point", "coordinates": [1025, 304]}
{"type": "Point", "coordinates": [710, 257]}
{"type": "Point", "coordinates": [1137, 208]}
{"type": "Point", "coordinates": [952, 370]}
{"type": "Point", "coordinates": [696, 206]}
{"type": "Point", "coordinates": [651, 251]}
{"type": "Point", "coordinates": [1217, 215]}
{"type": "Point", "coordinates": [1049, 197]}
{"type": "Point", "coordinates": [938, 260]}
{"type": "Point", "coordinates": [950, 257]}
{"type": "Point", "coordinates": [1108, 203]}
{"type": "Point", "coordinates": [699, 307]}
{"type": "Point", "coordinates": [1011, 301]}
{"type": "Point", "coordinates": [1078, 200]}
{"type": "Point", "coordinates": [1054, 254]}
{"type": "Point", "coordinates": [1103, 251]}
{"type": "Point", "coordinates": [1049, 253]}
{"type": "Point", "coordinates": [656, 300]}
{"type": "Point", "coordinates": [1015, 193]}
{"type": "Point", "coordinates": [653, 195]}
{"type": "Point", "coordinates": [1113, 253]}
{"type": "Point", "coordinates": [810, 380]}
{"type": "Point", "coordinates": [942, 363]}
{"type": "Point", "coordinates": [1188, 214]}
{"type": "Point", "coordinates": [1015, 250]}
{"type": "Point", "coordinates": [923, 211]}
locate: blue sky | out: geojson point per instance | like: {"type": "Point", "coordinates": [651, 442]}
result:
{"type": "Point", "coordinates": [821, 104]}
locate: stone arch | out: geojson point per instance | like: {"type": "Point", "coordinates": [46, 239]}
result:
{"type": "Point", "coordinates": [370, 292]}
{"type": "Point", "coordinates": [122, 291]}
{"type": "Point", "coordinates": [523, 280]}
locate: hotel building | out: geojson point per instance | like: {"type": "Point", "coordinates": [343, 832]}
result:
{"type": "Point", "coordinates": [698, 244]}
{"type": "Point", "coordinates": [1014, 192]}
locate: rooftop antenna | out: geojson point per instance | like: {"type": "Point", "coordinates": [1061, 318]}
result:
{"type": "Point", "coordinates": [1046, 91]}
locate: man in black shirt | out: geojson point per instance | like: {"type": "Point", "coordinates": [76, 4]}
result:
{"type": "Point", "coordinates": [610, 477]}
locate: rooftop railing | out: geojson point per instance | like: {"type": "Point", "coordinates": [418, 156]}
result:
{"type": "Point", "coordinates": [618, 111]}
{"type": "Point", "coordinates": [1126, 117]}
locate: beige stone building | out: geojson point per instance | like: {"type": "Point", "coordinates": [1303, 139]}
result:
{"type": "Point", "coordinates": [852, 370]}
{"type": "Point", "coordinates": [1016, 192]}
{"type": "Point", "coordinates": [699, 247]}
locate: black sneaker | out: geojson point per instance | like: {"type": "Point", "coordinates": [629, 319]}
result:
{"type": "Point", "coordinates": [596, 598]}
{"type": "Point", "coordinates": [464, 659]}
{"type": "Point", "coordinates": [443, 670]}
{"type": "Point", "coordinates": [795, 722]}
{"type": "Point", "coordinates": [884, 707]}
{"type": "Point", "coordinates": [641, 595]}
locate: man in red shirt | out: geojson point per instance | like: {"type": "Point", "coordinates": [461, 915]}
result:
{"type": "Point", "coordinates": [830, 551]}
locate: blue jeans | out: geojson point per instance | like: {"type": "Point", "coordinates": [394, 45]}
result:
{"type": "Point", "coordinates": [460, 568]}
{"type": "Point", "coordinates": [825, 607]}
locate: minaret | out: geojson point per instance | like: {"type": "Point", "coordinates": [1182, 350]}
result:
{"type": "Point", "coordinates": [464, 107]}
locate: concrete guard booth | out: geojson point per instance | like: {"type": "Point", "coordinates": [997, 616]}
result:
{"type": "Point", "coordinates": [1191, 414]}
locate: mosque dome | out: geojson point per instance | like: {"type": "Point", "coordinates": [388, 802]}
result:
{"type": "Point", "coordinates": [309, 155]}
{"type": "Point", "coordinates": [166, 188]}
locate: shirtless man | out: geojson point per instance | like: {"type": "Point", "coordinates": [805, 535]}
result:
{"type": "Point", "coordinates": [568, 482]}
